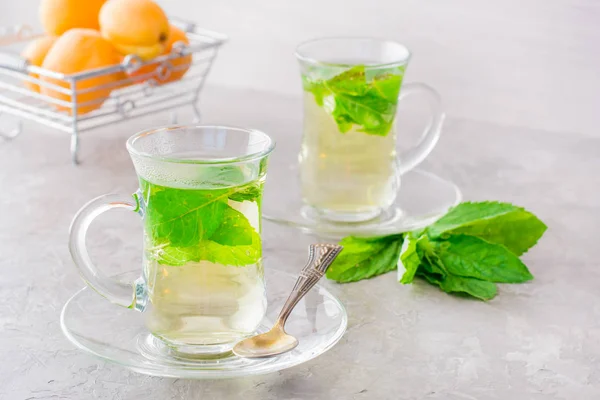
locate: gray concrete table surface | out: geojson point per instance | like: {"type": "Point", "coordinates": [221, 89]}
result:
{"type": "Point", "coordinates": [539, 340]}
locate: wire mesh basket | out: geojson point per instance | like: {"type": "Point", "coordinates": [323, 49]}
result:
{"type": "Point", "coordinates": [142, 88]}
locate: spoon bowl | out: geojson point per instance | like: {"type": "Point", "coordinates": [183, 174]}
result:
{"type": "Point", "coordinates": [270, 343]}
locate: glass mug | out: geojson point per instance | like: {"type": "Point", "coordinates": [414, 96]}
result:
{"type": "Point", "coordinates": [202, 288]}
{"type": "Point", "coordinates": [349, 167]}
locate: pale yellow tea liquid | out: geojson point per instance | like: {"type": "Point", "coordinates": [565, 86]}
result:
{"type": "Point", "coordinates": [202, 303]}
{"type": "Point", "coordinates": [345, 176]}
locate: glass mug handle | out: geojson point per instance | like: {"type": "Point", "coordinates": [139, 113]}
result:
{"type": "Point", "coordinates": [129, 295]}
{"type": "Point", "coordinates": [413, 157]}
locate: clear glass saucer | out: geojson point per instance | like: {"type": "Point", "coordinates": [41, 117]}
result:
{"type": "Point", "coordinates": [118, 335]}
{"type": "Point", "coordinates": [424, 197]}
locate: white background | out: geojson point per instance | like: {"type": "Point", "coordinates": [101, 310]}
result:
{"type": "Point", "coordinates": [533, 63]}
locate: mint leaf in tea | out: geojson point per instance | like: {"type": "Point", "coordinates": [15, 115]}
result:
{"type": "Point", "coordinates": [191, 222]}
{"type": "Point", "coordinates": [357, 100]}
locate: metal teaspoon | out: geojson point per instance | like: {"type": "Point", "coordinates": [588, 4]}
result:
{"type": "Point", "coordinates": [277, 341]}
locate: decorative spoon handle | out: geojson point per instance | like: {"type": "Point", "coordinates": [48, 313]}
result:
{"type": "Point", "coordinates": [320, 257]}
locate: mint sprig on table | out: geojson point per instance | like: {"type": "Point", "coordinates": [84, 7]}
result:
{"type": "Point", "coordinates": [467, 251]}
{"type": "Point", "coordinates": [353, 98]}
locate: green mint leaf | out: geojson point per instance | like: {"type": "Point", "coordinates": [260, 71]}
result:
{"type": "Point", "coordinates": [343, 121]}
{"type": "Point", "coordinates": [433, 269]}
{"type": "Point", "coordinates": [501, 223]}
{"type": "Point", "coordinates": [207, 250]}
{"type": "Point", "coordinates": [365, 258]}
{"type": "Point", "coordinates": [456, 284]}
{"type": "Point", "coordinates": [359, 100]}
{"type": "Point", "coordinates": [373, 114]}
{"type": "Point", "coordinates": [459, 285]}
{"type": "Point", "coordinates": [249, 192]}
{"type": "Point", "coordinates": [409, 260]}
{"type": "Point", "coordinates": [430, 261]}
{"type": "Point", "coordinates": [352, 82]}
{"type": "Point", "coordinates": [235, 230]}
{"type": "Point", "coordinates": [470, 256]}
{"type": "Point", "coordinates": [388, 87]}
{"type": "Point", "coordinates": [237, 256]}
{"type": "Point", "coordinates": [185, 225]}
{"type": "Point", "coordinates": [184, 217]}
{"type": "Point", "coordinates": [434, 279]}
